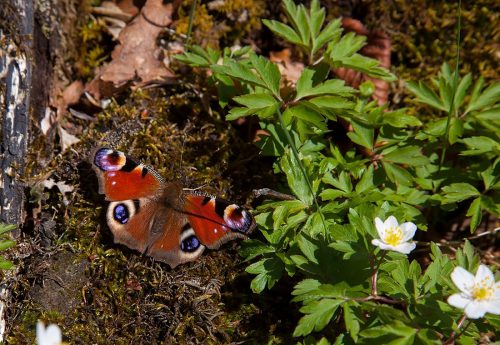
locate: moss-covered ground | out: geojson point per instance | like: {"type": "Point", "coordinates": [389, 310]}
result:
{"type": "Point", "coordinates": [71, 273]}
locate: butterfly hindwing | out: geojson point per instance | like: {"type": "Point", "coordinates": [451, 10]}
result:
{"type": "Point", "coordinates": [216, 221]}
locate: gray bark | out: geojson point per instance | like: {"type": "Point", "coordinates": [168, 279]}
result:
{"type": "Point", "coordinates": [16, 32]}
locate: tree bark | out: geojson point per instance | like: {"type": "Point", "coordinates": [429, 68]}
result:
{"type": "Point", "coordinates": [16, 32]}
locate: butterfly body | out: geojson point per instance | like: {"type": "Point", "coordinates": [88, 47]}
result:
{"type": "Point", "coordinates": [161, 219]}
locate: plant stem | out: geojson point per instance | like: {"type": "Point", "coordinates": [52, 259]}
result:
{"type": "Point", "coordinates": [190, 23]}
{"type": "Point", "coordinates": [375, 275]}
{"type": "Point", "coordinates": [455, 84]}
{"type": "Point", "coordinates": [302, 170]}
{"type": "Point", "coordinates": [453, 334]}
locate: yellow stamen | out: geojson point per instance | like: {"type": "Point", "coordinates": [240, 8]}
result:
{"type": "Point", "coordinates": [482, 290]}
{"type": "Point", "coordinates": [393, 236]}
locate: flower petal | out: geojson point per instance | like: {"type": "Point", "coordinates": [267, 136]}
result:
{"type": "Point", "coordinates": [463, 279]}
{"type": "Point", "coordinates": [496, 291]}
{"type": "Point", "coordinates": [475, 310]}
{"type": "Point", "coordinates": [493, 307]}
{"type": "Point", "coordinates": [405, 248]}
{"type": "Point", "coordinates": [382, 245]}
{"type": "Point", "coordinates": [458, 300]}
{"type": "Point", "coordinates": [53, 335]}
{"type": "Point", "coordinates": [484, 274]}
{"type": "Point", "coordinates": [391, 222]}
{"type": "Point", "coordinates": [40, 332]}
{"type": "Point", "coordinates": [408, 229]}
{"type": "Point", "coordinates": [380, 227]}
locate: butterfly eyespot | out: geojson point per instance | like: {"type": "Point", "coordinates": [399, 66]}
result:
{"type": "Point", "coordinates": [121, 213]}
{"type": "Point", "coordinates": [238, 219]}
{"type": "Point", "coordinates": [190, 244]}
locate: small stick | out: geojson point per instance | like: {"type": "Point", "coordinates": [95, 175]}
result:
{"type": "Point", "coordinates": [273, 194]}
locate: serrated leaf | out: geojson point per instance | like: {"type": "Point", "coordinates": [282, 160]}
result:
{"type": "Point", "coordinates": [475, 212]}
{"type": "Point", "coordinates": [284, 31]}
{"type": "Point", "coordinates": [461, 90]}
{"type": "Point", "coordinates": [488, 97]}
{"type": "Point", "coordinates": [399, 119]}
{"type": "Point", "coordinates": [330, 33]}
{"type": "Point", "coordinates": [426, 95]}
{"type": "Point", "coordinates": [318, 315]}
{"type": "Point", "coordinates": [456, 130]}
{"type": "Point", "coordinates": [410, 155]}
{"type": "Point", "coordinates": [253, 248]}
{"type": "Point", "coordinates": [296, 179]}
{"type": "Point", "coordinates": [240, 72]}
{"type": "Point", "coordinates": [362, 135]}
{"type": "Point", "coordinates": [397, 174]}
{"type": "Point", "coordinates": [480, 144]}
{"type": "Point", "coordinates": [268, 73]}
{"type": "Point", "coordinates": [457, 192]}
{"type": "Point", "coordinates": [268, 272]}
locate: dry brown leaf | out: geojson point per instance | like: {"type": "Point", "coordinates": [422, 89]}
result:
{"type": "Point", "coordinates": [66, 139]}
{"type": "Point", "coordinates": [136, 60]}
{"type": "Point", "coordinates": [289, 69]}
{"type": "Point", "coordinates": [378, 47]}
{"type": "Point", "coordinates": [72, 93]}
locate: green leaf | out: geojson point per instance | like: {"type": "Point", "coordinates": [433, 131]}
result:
{"type": "Point", "coordinates": [5, 264]}
{"type": "Point", "coordinates": [6, 244]}
{"type": "Point", "coordinates": [456, 130]}
{"type": "Point", "coordinates": [480, 145]}
{"type": "Point", "coordinates": [488, 97]}
{"type": "Point", "coordinates": [426, 95]}
{"type": "Point", "coordinates": [239, 71]}
{"type": "Point", "coordinates": [363, 134]}
{"type": "Point", "coordinates": [330, 33]}
{"type": "Point", "coordinates": [475, 212]}
{"type": "Point", "coordinates": [261, 104]}
{"type": "Point", "coordinates": [6, 228]}
{"type": "Point", "coordinates": [253, 248]}
{"type": "Point", "coordinates": [268, 271]}
{"type": "Point", "coordinates": [399, 119]}
{"type": "Point", "coordinates": [306, 88]}
{"type": "Point", "coordinates": [284, 31]}
{"type": "Point", "coordinates": [397, 174]}
{"type": "Point", "coordinates": [268, 72]}
{"type": "Point", "coordinates": [351, 321]}
{"type": "Point", "coordinates": [366, 182]}
{"type": "Point", "coordinates": [308, 247]}
{"type": "Point", "coordinates": [296, 179]}
{"type": "Point", "coordinates": [318, 315]}
{"type": "Point", "coordinates": [457, 192]}
{"type": "Point", "coordinates": [410, 155]}
{"type": "Point", "coordinates": [461, 91]}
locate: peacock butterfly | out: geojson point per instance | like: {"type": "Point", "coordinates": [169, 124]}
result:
{"type": "Point", "coordinates": [160, 218]}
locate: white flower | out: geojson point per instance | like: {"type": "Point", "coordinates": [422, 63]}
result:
{"type": "Point", "coordinates": [48, 336]}
{"type": "Point", "coordinates": [394, 236]}
{"type": "Point", "coordinates": [479, 295]}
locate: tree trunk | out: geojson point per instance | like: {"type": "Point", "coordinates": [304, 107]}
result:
{"type": "Point", "coordinates": [16, 32]}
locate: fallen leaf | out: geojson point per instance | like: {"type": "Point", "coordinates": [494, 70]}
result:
{"type": "Point", "coordinates": [48, 121]}
{"type": "Point", "coordinates": [378, 47]}
{"type": "Point", "coordinates": [61, 185]}
{"type": "Point", "coordinates": [114, 16]}
{"type": "Point", "coordinates": [289, 69]}
{"type": "Point", "coordinates": [136, 60]}
{"type": "Point", "coordinates": [66, 139]}
{"type": "Point", "coordinates": [72, 93]}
